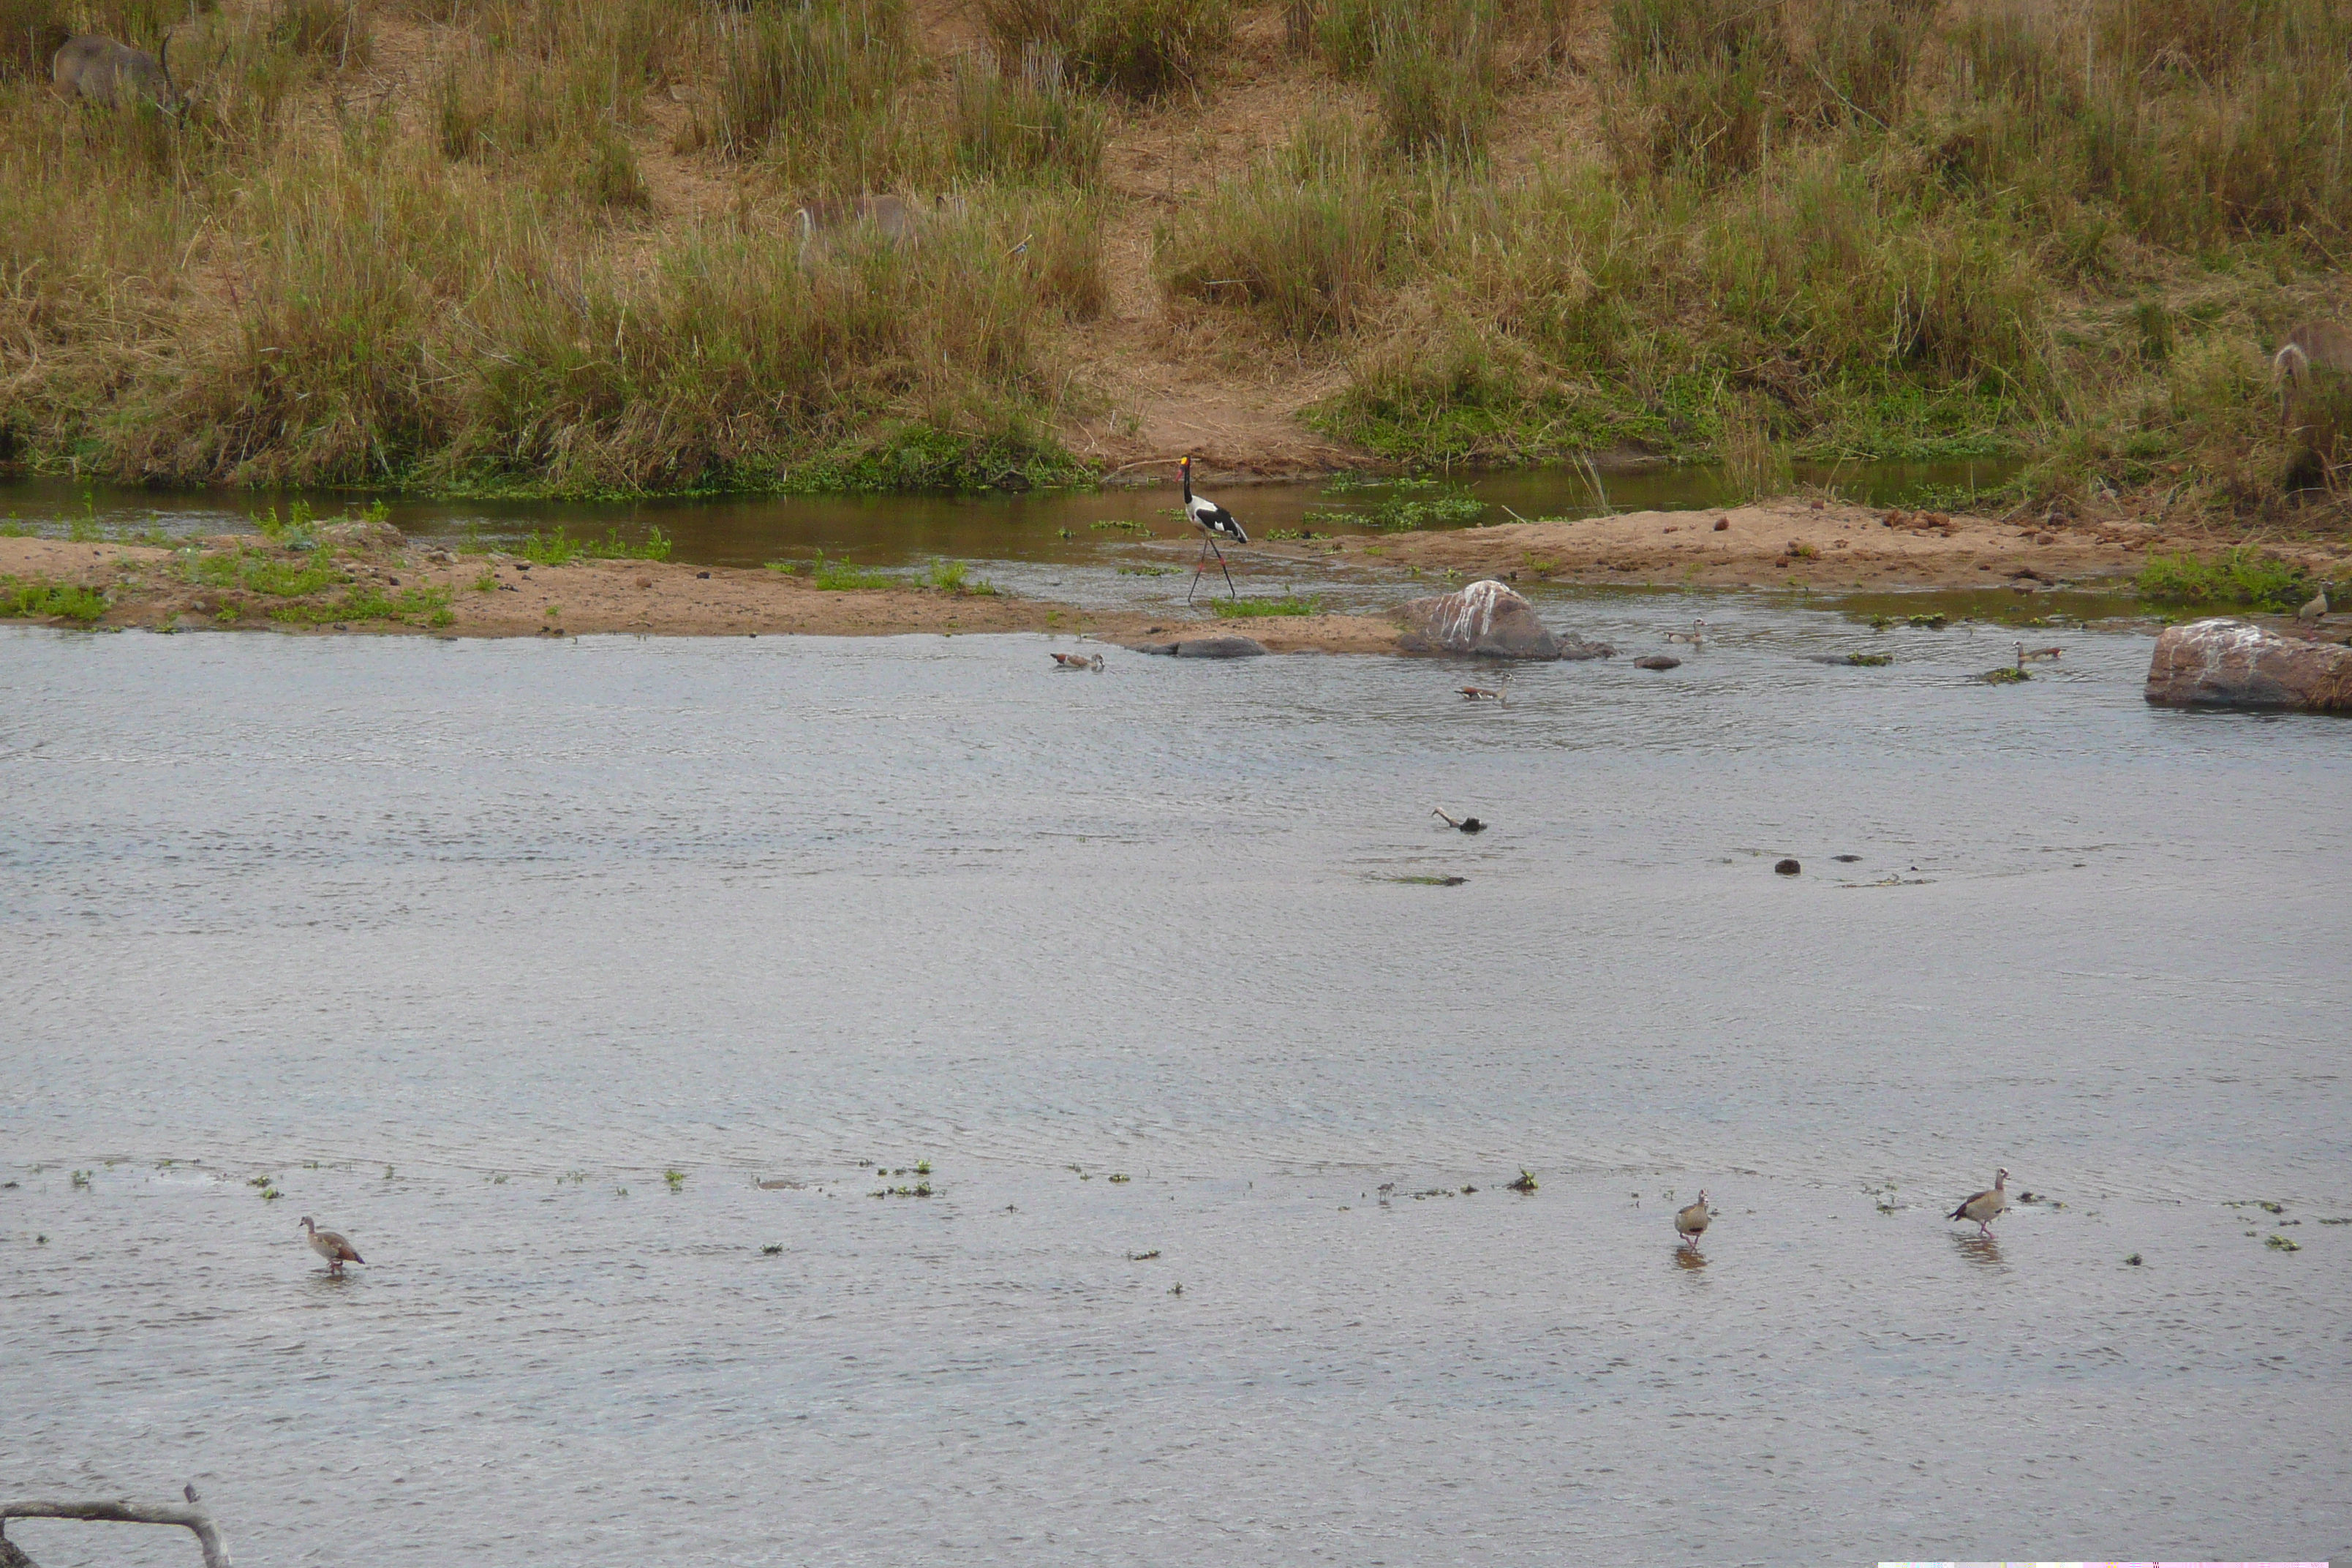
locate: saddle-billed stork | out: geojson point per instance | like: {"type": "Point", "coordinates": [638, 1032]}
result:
{"type": "Point", "coordinates": [1215, 524]}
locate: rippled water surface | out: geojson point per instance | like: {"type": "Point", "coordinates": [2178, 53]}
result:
{"type": "Point", "coordinates": [465, 945]}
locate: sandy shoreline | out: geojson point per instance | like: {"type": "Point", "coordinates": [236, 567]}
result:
{"type": "Point", "coordinates": [389, 585]}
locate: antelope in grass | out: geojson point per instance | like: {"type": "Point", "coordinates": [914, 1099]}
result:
{"type": "Point", "coordinates": [98, 68]}
{"type": "Point", "coordinates": [2313, 345]}
{"type": "Point", "coordinates": [895, 220]}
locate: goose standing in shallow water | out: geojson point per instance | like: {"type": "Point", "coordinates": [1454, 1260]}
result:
{"type": "Point", "coordinates": [1984, 1207]}
{"type": "Point", "coordinates": [331, 1246]}
{"type": "Point", "coordinates": [1696, 637]}
{"type": "Point", "coordinates": [1690, 1221]}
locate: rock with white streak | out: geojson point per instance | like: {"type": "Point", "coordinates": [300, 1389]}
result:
{"type": "Point", "coordinates": [1490, 619]}
{"type": "Point", "coordinates": [2236, 664]}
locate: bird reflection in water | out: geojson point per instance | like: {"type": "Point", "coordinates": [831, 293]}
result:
{"type": "Point", "coordinates": [1690, 1259]}
{"type": "Point", "coordinates": [1981, 1250]}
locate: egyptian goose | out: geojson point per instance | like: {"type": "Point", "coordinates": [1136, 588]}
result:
{"type": "Point", "coordinates": [1690, 1219]}
{"type": "Point", "coordinates": [2314, 610]}
{"type": "Point", "coordinates": [1694, 637]}
{"type": "Point", "coordinates": [1984, 1207]}
{"type": "Point", "coordinates": [1499, 693]}
{"type": "Point", "coordinates": [1078, 661]}
{"type": "Point", "coordinates": [331, 1246]}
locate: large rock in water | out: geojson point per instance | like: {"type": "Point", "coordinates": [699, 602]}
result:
{"type": "Point", "coordinates": [2235, 664]}
{"type": "Point", "coordinates": [1489, 618]}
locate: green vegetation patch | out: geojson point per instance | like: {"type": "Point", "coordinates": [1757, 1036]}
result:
{"type": "Point", "coordinates": [560, 548]}
{"type": "Point", "coordinates": [1255, 609]}
{"type": "Point", "coordinates": [842, 577]}
{"type": "Point", "coordinates": [1396, 514]}
{"type": "Point", "coordinates": [38, 598]}
{"type": "Point", "coordinates": [262, 571]}
{"type": "Point", "coordinates": [2241, 578]}
{"type": "Point", "coordinates": [930, 457]}
{"type": "Point", "coordinates": [366, 602]}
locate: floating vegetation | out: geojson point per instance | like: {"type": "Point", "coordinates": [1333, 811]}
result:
{"type": "Point", "coordinates": [1119, 1176]}
{"type": "Point", "coordinates": [1147, 570]}
{"type": "Point", "coordinates": [1428, 881]}
{"type": "Point", "coordinates": [82, 1180]}
{"type": "Point", "coordinates": [2278, 1243]}
{"type": "Point", "coordinates": [2133, 1260]}
{"type": "Point", "coordinates": [1526, 1183]}
{"type": "Point", "coordinates": [1143, 1257]}
{"type": "Point", "coordinates": [676, 1180]}
{"type": "Point", "coordinates": [771, 1249]}
{"type": "Point", "coordinates": [1870, 660]}
{"type": "Point", "coordinates": [2007, 675]}
{"type": "Point", "coordinates": [920, 1190]}
{"type": "Point", "coordinates": [2266, 1204]}
{"type": "Point", "coordinates": [1129, 524]}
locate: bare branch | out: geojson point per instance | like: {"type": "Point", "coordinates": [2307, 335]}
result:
{"type": "Point", "coordinates": [123, 1511]}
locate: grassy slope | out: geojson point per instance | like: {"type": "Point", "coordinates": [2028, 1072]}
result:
{"type": "Point", "coordinates": [529, 243]}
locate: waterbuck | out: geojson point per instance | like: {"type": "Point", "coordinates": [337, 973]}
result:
{"type": "Point", "coordinates": [896, 219]}
{"type": "Point", "coordinates": [104, 71]}
{"type": "Point", "coordinates": [2313, 345]}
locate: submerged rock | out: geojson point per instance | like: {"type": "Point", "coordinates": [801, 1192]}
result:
{"type": "Point", "coordinates": [1489, 618]}
{"type": "Point", "coordinates": [2235, 664]}
{"type": "Point", "coordinates": [1658, 661]}
{"type": "Point", "coordinates": [1207, 647]}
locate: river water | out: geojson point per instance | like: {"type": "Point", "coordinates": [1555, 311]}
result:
{"type": "Point", "coordinates": [465, 945]}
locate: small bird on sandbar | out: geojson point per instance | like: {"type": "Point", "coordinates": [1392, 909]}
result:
{"type": "Point", "coordinates": [1078, 661]}
{"type": "Point", "coordinates": [1690, 1219]}
{"type": "Point", "coordinates": [1499, 692]}
{"type": "Point", "coordinates": [331, 1246]}
{"type": "Point", "coordinates": [1466, 824]}
{"type": "Point", "coordinates": [1984, 1207]}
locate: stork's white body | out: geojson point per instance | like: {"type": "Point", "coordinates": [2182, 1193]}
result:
{"type": "Point", "coordinates": [1215, 524]}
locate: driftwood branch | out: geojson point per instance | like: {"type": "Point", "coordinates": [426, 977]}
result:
{"type": "Point", "coordinates": [187, 1516]}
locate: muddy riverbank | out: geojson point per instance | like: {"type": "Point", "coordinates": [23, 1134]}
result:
{"type": "Point", "coordinates": [369, 577]}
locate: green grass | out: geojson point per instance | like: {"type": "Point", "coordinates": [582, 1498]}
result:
{"type": "Point", "coordinates": [955, 577]}
{"type": "Point", "coordinates": [560, 549]}
{"type": "Point", "coordinates": [2241, 578]}
{"type": "Point", "coordinates": [1255, 609]}
{"type": "Point", "coordinates": [841, 577]}
{"type": "Point", "coordinates": [366, 602]}
{"type": "Point", "coordinates": [38, 599]}
{"type": "Point", "coordinates": [259, 572]}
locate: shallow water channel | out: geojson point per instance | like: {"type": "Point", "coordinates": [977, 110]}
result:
{"type": "Point", "coordinates": [465, 946]}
